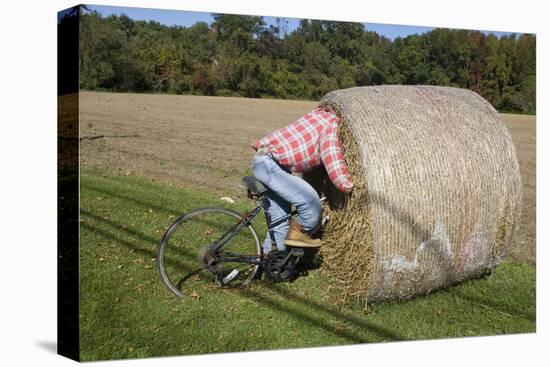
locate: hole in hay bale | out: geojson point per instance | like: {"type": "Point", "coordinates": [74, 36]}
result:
{"type": "Point", "coordinates": [318, 178]}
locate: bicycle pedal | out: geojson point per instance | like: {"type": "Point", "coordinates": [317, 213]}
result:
{"type": "Point", "coordinates": [229, 277]}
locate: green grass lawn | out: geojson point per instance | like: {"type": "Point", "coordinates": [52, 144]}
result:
{"type": "Point", "coordinates": [126, 312]}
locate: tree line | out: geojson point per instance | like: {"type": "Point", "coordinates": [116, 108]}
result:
{"type": "Point", "coordinates": [243, 56]}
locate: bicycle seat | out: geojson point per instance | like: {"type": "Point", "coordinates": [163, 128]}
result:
{"type": "Point", "coordinates": [254, 185]}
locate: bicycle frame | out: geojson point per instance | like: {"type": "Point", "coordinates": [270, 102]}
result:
{"type": "Point", "coordinates": [275, 263]}
{"type": "Point", "coordinates": [245, 220]}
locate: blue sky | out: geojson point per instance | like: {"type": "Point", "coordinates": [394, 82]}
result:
{"type": "Point", "coordinates": [188, 18]}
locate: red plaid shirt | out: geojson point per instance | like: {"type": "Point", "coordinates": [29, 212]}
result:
{"type": "Point", "coordinates": [308, 142]}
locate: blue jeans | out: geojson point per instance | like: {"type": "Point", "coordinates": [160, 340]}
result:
{"type": "Point", "coordinates": [286, 190]}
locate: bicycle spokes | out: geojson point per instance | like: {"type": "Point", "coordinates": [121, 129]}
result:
{"type": "Point", "coordinates": [188, 259]}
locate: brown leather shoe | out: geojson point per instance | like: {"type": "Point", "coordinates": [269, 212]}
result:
{"type": "Point", "coordinates": [296, 237]}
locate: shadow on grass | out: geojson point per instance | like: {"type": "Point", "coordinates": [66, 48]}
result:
{"type": "Point", "coordinates": [335, 312]}
{"type": "Point", "coordinates": [315, 313]}
{"type": "Point", "coordinates": [142, 203]}
{"type": "Point", "coordinates": [168, 209]}
{"type": "Point", "coordinates": [132, 246]}
{"type": "Point", "coordinates": [122, 228]}
{"type": "Point", "coordinates": [488, 303]}
{"type": "Point", "coordinates": [311, 312]}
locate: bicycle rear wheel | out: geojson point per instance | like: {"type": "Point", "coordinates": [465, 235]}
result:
{"type": "Point", "coordinates": [183, 246]}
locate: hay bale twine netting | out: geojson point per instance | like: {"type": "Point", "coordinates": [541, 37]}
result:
{"type": "Point", "coordinates": [437, 194]}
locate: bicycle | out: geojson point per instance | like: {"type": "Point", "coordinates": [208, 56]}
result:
{"type": "Point", "coordinates": [216, 245]}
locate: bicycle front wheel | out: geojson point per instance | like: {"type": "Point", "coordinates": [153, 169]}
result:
{"type": "Point", "coordinates": [182, 248]}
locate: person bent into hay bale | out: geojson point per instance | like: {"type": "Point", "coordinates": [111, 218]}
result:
{"type": "Point", "coordinates": [307, 143]}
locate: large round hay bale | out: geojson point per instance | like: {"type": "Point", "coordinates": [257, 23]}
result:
{"type": "Point", "coordinates": [437, 195]}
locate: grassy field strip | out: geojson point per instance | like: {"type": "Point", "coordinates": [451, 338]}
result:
{"type": "Point", "coordinates": [127, 313]}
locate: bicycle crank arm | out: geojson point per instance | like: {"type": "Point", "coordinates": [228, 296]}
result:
{"type": "Point", "coordinates": [298, 252]}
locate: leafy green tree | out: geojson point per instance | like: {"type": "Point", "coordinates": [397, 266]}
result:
{"type": "Point", "coordinates": [239, 55]}
{"type": "Point", "coordinates": [238, 31]}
